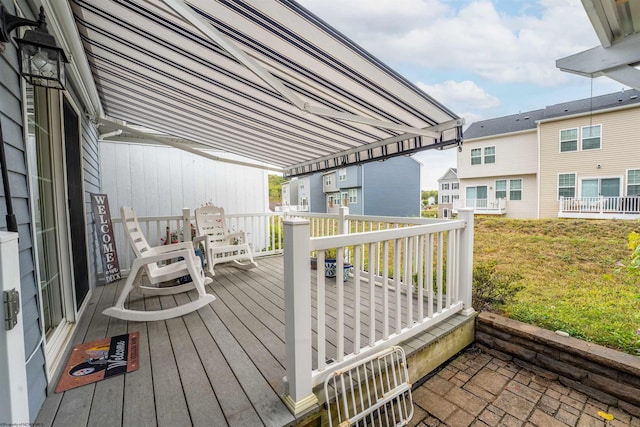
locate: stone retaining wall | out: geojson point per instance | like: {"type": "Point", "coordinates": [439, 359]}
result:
{"type": "Point", "coordinates": [608, 375]}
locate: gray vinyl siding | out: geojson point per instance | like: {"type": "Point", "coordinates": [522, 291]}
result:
{"type": "Point", "coordinates": [13, 134]}
{"type": "Point", "coordinates": [392, 187]}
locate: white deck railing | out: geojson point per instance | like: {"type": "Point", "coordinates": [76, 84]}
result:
{"type": "Point", "coordinates": [420, 272]}
{"type": "Point", "coordinates": [600, 205]}
{"type": "Point", "coordinates": [480, 205]}
{"type": "Point", "coordinates": [263, 232]}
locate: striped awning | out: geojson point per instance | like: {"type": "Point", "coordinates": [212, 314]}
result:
{"type": "Point", "coordinates": [265, 79]}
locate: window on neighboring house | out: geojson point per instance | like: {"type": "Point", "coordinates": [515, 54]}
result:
{"type": "Point", "coordinates": [445, 186]}
{"type": "Point", "coordinates": [566, 185]}
{"type": "Point", "coordinates": [515, 189]}
{"type": "Point", "coordinates": [568, 140]}
{"type": "Point", "coordinates": [342, 174]}
{"type": "Point", "coordinates": [476, 156]}
{"type": "Point", "coordinates": [353, 195]}
{"type": "Point", "coordinates": [633, 182]}
{"type": "Point", "coordinates": [301, 186]}
{"type": "Point", "coordinates": [489, 155]}
{"type": "Point", "coordinates": [591, 137]}
{"type": "Point", "coordinates": [345, 198]}
{"type": "Point", "coordinates": [328, 181]}
{"type": "Point", "coordinates": [455, 197]}
{"type": "Point", "coordinates": [501, 189]}
{"type": "Point", "coordinates": [304, 202]}
{"type": "Point", "coordinates": [445, 199]}
{"type": "Point", "coordinates": [454, 185]}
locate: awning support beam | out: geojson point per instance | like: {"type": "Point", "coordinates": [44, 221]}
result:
{"type": "Point", "coordinates": [173, 142]}
{"type": "Point", "coordinates": [209, 31]}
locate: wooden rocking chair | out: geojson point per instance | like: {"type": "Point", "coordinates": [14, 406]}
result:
{"type": "Point", "coordinates": [147, 262]}
{"type": "Point", "coordinates": [220, 245]}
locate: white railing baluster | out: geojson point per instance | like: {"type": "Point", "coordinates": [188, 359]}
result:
{"type": "Point", "coordinates": [420, 255]}
{"type": "Point", "coordinates": [408, 278]}
{"type": "Point", "coordinates": [340, 303]}
{"type": "Point", "coordinates": [356, 303]}
{"type": "Point", "coordinates": [397, 257]}
{"type": "Point", "coordinates": [373, 261]}
{"type": "Point", "coordinates": [321, 302]}
{"type": "Point", "coordinates": [385, 289]}
{"type": "Point", "coordinates": [429, 274]}
{"type": "Point", "coordinates": [439, 270]}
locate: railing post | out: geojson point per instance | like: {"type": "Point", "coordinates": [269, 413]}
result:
{"type": "Point", "coordinates": [14, 401]}
{"type": "Point", "coordinates": [466, 259]}
{"type": "Point", "coordinates": [299, 396]}
{"type": "Point", "coordinates": [343, 222]}
{"type": "Point", "coordinates": [186, 225]}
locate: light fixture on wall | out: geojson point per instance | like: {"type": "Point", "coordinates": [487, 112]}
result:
{"type": "Point", "coordinates": [41, 60]}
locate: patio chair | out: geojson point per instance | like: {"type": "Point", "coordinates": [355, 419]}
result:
{"type": "Point", "coordinates": [163, 266]}
{"type": "Point", "coordinates": [220, 245]}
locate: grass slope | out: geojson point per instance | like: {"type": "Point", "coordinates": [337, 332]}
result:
{"type": "Point", "coordinates": [568, 275]}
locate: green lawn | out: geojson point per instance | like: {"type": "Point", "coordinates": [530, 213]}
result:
{"type": "Point", "coordinates": [568, 279]}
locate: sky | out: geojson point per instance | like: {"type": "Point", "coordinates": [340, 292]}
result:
{"type": "Point", "coordinates": [480, 58]}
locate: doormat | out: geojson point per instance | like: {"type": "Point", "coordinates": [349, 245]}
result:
{"type": "Point", "coordinates": [97, 360]}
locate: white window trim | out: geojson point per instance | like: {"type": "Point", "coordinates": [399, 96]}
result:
{"type": "Point", "coordinates": [582, 137]}
{"type": "Point", "coordinates": [484, 154]}
{"type": "Point", "coordinates": [577, 140]}
{"type": "Point", "coordinates": [626, 180]}
{"type": "Point", "coordinates": [521, 189]}
{"type": "Point", "coordinates": [575, 184]}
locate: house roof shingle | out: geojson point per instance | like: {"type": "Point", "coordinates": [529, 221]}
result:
{"type": "Point", "coordinates": [527, 120]}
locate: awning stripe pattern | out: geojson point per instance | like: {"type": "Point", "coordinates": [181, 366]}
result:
{"type": "Point", "coordinates": [154, 67]}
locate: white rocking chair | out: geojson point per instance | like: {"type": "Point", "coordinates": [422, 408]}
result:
{"type": "Point", "coordinates": [147, 259]}
{"type": "Point", "coordinates": [220, 245]}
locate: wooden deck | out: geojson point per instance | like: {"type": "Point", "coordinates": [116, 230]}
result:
{"type": "Point", "coordinates": [222, 365]}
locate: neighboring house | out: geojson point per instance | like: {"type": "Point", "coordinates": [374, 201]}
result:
{"type": "Point", "coordinates": [388, 188]}
{"type": "Point", "coordinates": [298, 194]}
{"type": "Point", "coordinates": [448, 192]}
{"type": "Point", "coordinates": [574, 159]}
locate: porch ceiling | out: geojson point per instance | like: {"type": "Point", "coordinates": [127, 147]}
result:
{"type": "Point", "coordinates": [266, 80]}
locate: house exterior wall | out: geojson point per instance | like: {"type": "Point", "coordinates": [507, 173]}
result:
{"type": "Point", "coordinates": [392, 187]}
{"type": "Point", "coordinates": [12, 116]}
{"type": "Point", "coordinates": [619, 151]}
{"type": "Point", "coordinates": [160, 180]}
{"type": "Point", "coordinates": [524, 208]}
{"type": "Point", "coordinates": [516, 157]}
{"type": "Point", "coordinates": [515, 154]}
{"type": "Point", "coordinates": [317, 201]}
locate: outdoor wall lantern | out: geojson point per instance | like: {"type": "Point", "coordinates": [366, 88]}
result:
{"type": "Point", "coordinates": [41, 60]}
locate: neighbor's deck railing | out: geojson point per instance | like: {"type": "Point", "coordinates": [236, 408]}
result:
{"type": "Point", "coordinates": [419, 270]}
{"type": "Point", "coordinates": [600, 205]}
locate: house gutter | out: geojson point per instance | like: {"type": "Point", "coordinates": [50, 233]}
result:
{"type": "Point", "coordinates": [60, 20]}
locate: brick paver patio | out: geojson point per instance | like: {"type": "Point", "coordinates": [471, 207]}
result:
{"type": "Point", "coordinates": [476, 389]}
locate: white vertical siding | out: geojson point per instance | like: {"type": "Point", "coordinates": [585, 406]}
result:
{"type": "Point", "coordinates": [160, 180]}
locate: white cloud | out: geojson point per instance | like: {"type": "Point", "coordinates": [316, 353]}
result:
{"type": "Point", "coordinates": [475, 38]}
{"type": "Point", "coordinates": [458, 95]}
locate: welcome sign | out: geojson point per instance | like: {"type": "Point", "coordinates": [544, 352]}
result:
{"type": "Point", "coordinates": [104, 229]}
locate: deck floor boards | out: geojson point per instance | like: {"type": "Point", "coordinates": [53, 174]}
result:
{"type": "Point", "coordinates": [222, 365]}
